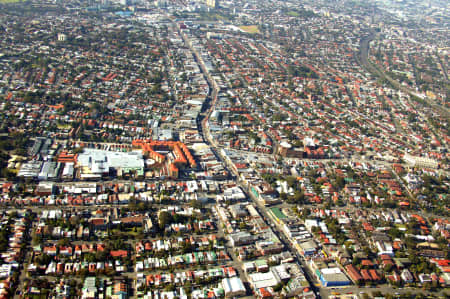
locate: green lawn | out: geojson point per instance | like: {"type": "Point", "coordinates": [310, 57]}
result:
{"type": "Point", "coordinates": [10, 1]}
{"type": "Point", "coordinates": [293, 13]}
{"type": "Point", "coordinates": [250, 29]}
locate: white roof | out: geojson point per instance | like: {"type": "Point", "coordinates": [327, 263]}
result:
{"type": "Point", "coordinates": [335, 270]}
{"type": "Point", "coordinates": [232, 285]}
{"type": "Point", "coordinates": [263, 280]}
{"type": "Point", "coordinates": [285, 144]}
{"type": "Point", "coordinates": [100, 161]}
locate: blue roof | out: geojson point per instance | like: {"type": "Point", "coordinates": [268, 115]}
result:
{"type": "Point", "coordinates": [124, 13]}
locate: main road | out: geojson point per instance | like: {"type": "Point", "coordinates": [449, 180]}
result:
{"type": "Point", "coordinates": [211, 142]}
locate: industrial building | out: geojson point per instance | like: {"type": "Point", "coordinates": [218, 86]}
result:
{"type": "Point", "coordinates": [233, 287]}
{"type": "Point", "coordinates": [30, 169]}
{"type": "Point", "coordinates": [49, 171]}
{"type": "Point", "coordinates": [263, 280]}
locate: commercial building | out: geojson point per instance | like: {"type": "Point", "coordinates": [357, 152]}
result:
{"type": "Point", "coordinates": [241, 238]}
{"type": "Point", "coordinates": [421, 162]}
{"type": "Point", "coordinates": [307, 248]}
{"type": "Point", "coordinates": [94, 164]}
{"type": "Point", "coordinates": [332, 277]}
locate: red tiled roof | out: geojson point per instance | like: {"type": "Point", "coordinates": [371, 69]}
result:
{"type": "Point", "coordinates": [119, 253]}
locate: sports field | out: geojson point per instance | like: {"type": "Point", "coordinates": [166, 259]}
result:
{"type": "Point", "coordinates": [250, 29]}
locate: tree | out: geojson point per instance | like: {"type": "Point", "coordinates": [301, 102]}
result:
{"type": "Point", "coordinates": [278, 287]}
{"type": "Point", "coordinates": [44, 259]}
{"type": "Point", "coordinates": [395, 232]}
{"type": "Point", "coordinates": [90, 257]}
{"type": "Point", "coordinates": [291, 181]}
{"type": "Point", "coordinates": [388, 268]}
{"type": "Point", "coordinates": [365, 296]}
{"type": "Point", "coordinates": [196, 204]}
{"type": "Point", "coordinates": [169, 288]}
{"type": "Point", "coordinates": [101, 256]}
{"type": "Point", "coordinates": [118, 244]}
{"type": "Point", "coordinates": [63, 242]}
{"type": "Point", "coordinates": [186, 247]}
{"type": "Point", "coordinates": [356, 261]}
{"type": "Point", "coordinates": [164, 219]}
{"type": "Point", "coordinates": [78, 150]}
{"type": "Point", "coordinates": [299, 197]}
{"type": "Point", "coordinates": [340, 182]}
